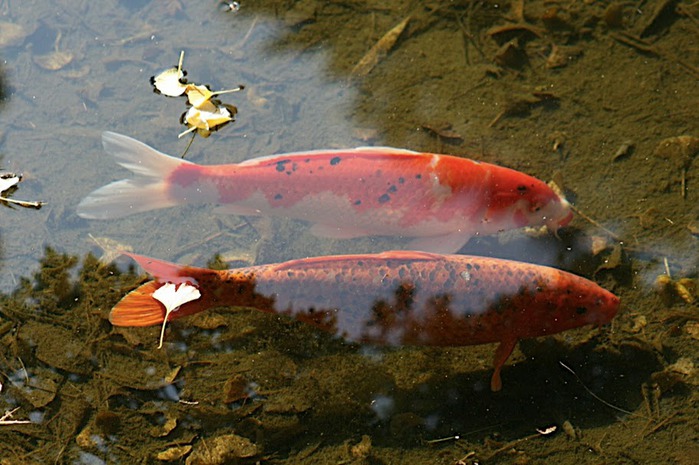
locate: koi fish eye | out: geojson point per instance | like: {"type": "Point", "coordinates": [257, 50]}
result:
{"type": "Point", "coordinates": [535, 207]}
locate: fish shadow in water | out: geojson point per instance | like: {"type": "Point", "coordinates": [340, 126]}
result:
{"type": "Point", "coordinates": [537, 392]}
{"type": "Point", "coordinates": [571, 251]}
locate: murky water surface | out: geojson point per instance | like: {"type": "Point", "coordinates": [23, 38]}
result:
{"type": "Point", "coordinates": [599, 96]}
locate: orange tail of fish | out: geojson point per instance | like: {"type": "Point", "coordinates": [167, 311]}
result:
{"type": "Point", "coordinates": [139, 308]}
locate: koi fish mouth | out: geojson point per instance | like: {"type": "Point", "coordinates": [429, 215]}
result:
{"type": "Point", "coordinates": [566, 220]}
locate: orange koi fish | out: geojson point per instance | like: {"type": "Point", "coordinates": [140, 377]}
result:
{"type": "Point", "coordinates": [391, 298]}
{"type": "Point", "coordinates": [439, 201]}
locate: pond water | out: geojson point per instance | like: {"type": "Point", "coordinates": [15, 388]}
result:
{"type": "Point", "coordinates": [600, 97]}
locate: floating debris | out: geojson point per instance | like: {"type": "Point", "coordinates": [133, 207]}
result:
{"type": "Point", "coordinates": [205, 114]}
{"type": "Point", "coordinates": [199, 95]}
{"type": "Point", "coordinates": [171, 82]}
{"type": "Point", "coordinates": [8, 182]}
{"type": "Point", "coordinates": [172, 297]}
{"type": "Point", "coordinates": [207, 118]}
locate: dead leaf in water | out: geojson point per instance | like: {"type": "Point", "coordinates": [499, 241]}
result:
{"type": "Point", "coordinates": [680, 149]}
{"type": "Point", "coordinates": [380, 49]}
{"type": "Point", "coordinates": [443, 131]}
{"type": "Point", "coordinates": [173, 453]}
{"type": "Point", "coordinates": [11, 34]}
{"type": "Point", "coordinates": [54, 61]}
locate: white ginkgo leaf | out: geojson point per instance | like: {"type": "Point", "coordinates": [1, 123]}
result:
{"type": "Point", "coordinates": [8, 181]}
{"type": "Point", "coordinates": [173, 296]}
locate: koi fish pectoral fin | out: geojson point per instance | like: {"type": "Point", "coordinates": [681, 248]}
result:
{"type": "Point", "coordinates": [502, 353]}
{"type": "Point", "coordinates": [447, 243]}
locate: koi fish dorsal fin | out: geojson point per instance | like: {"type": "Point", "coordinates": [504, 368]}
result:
{"type": "Point", "coordinates": [163, 271]}
{"type": "Point", "coordinates": [390, 255]}
{"type": "Point", "coordinates": [146, 191]}
{"type": "Point", "coordinates": [138, 308]}
{"type": "Point", "coordinates": [415, 255]}
{"type": "Point", "coordinates": [387, 151]}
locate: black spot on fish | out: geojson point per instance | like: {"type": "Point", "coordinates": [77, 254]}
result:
{"type": "Point", "coordinates": [401, 180]}
{"type": "Point", "coordinates": [357, 202]}
{"type": "Point", "coordinates": [278, 197]}
{"type": "Point", "coordinates": [522, 188]}
{"type": "Point", "coordinates": [335, 160]}
{"type": "Point", "coordinates": [418, 176]}
{"type": "Point", "coordinates": [280, 165]}
{"type": "Point", "coordinates": [581, 310]}
{"type": "Point", "coordinates": [392, 189]}
{"type": "Point", "coordinates": [384, 198]}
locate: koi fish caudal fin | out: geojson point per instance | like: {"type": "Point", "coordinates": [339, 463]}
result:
{"type": "Point", "coordinates": [140, 308]}
{"type": "Point", "coordinates": [146, 191]}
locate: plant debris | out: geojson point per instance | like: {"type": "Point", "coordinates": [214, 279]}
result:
{"type": "Point", "coordinates": [206, 114]}
{"type": "Point", "coordinates": [8, 183]}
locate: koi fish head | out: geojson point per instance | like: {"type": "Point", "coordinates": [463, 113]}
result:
{"type": "Point", "coordinates": [527, 201]}
{"type": "Point", "coordinates": [573, 302]}
{"type": "Point", "coordinates": [546, 210]}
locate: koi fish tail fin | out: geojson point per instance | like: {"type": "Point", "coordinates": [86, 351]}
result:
{"type": "Point", "coordinates": [140, 308]}
{"type": "Point", "coordinates": [148, 190]}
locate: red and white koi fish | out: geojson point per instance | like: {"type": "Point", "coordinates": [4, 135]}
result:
{"type": "Point", "coordinates": [392, 298]}
{"type": "Point", "coordinates": [438, 200]}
